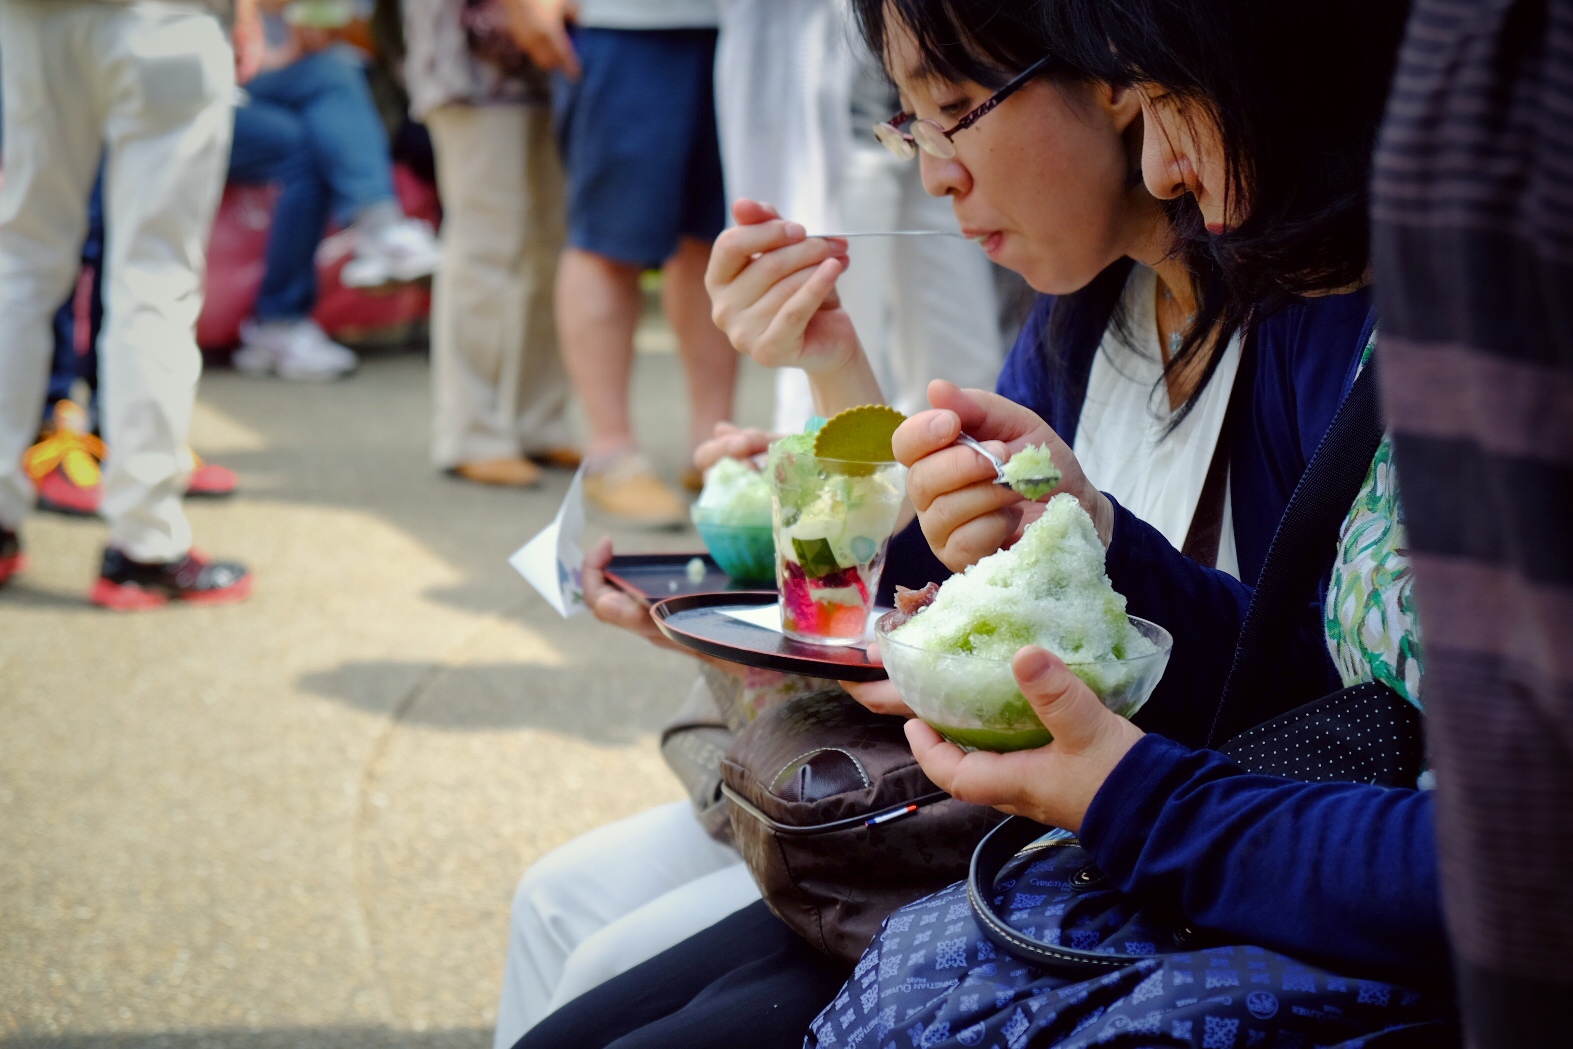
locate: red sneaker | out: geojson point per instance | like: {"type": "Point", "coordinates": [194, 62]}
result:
{"type": "Point", "coordinates": [211, 481]}
{"type": "Point", "coordinates": [127, 585]}
{"type": "Point", "coordinates": [12, 560]}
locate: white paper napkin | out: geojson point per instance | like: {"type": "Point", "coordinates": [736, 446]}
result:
{"type": "Point", "coordinates": [552, 562]}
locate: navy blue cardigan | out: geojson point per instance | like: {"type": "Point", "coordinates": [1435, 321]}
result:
{"type": "Point", "coordinates": [1340, 873]}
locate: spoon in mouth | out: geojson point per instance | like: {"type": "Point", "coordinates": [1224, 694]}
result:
{"type": "Point", "coordinates": [890, 233]}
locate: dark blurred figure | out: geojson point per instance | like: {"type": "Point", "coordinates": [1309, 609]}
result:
{"type": "Point", "coordinates": [1474, 268]}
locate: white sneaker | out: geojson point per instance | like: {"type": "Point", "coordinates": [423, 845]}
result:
{"type": "Point", "coordinates": [297, 350]}
{"type": "Point", "coordinates": [406, 251]}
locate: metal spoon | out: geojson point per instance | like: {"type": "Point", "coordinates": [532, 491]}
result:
{"type": "Point", "coordinates": [999, 465]}
{"type": "Point", "coordinates": [891, 233]}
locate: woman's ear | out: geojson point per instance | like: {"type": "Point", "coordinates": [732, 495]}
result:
{"type": "Point", "coordinates": [1124, 105]}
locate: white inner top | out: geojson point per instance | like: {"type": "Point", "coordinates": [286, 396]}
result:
{"type": "Point", "coordinates": [1120, 440]}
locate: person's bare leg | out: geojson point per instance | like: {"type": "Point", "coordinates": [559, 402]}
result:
{"type": "Point", "coordinates": [709, 361]}
{"type": "Point", "coordinates": [597, 310]}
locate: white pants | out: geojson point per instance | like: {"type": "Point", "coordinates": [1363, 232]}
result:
{"type": "Point", "coordinates": [608, 900]}
{"type": "Point", "coordinates": [923, 307]}
{"type": "Point", "coordinates": [150, 86]}
{"type": "Point", "coordinates": [784, 74]}
{"type": "Point", "coordinates": [498, 384]}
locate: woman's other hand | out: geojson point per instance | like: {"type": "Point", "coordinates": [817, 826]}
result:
{"type": "Point", "coordinates": [1053, 785]}
{"type": "Point", "coordinates": [731, 442]}
{"type": "Point", "coordinates": [880, 697]}
{"type": "Point", "coordinates": [613, 606]}
{"type": "Point", "coordinates": [964, 514]}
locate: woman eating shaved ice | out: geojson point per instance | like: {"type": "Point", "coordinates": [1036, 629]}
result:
{"type": "Point", "coordinates": [950, 60]}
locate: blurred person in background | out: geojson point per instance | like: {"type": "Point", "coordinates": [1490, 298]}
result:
{"type": "Point", "coordinates": [65, 465]}
{"type": "Point", "coordinates": [153, 85]}
{"type": "Point", "coordinates": [635, 113]}
{"type": "Point", "coordinates": [308, 123]}
{"type": "Point", "coordinates": [476, 78]}
{"type": "Point", "coordinates": [320, 132]}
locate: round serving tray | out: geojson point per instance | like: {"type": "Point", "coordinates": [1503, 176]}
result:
{"type": "Point", "coordinates": [697, 621]}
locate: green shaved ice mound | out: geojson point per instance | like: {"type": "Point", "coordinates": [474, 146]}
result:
{"type": "Point", "coordinates": [736, 494]}
{"type": "Point", "coordinates": [951, 660]}
{"type": "Point", "coordinates": [1049, 589]}
{"type": "Point", "coordinates": [1031, 472]}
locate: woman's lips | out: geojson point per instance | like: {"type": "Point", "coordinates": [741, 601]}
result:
{"type": "Point", "coordinates": [1216, 228]}
{"type": "Point", "coordinates": [988, 240]}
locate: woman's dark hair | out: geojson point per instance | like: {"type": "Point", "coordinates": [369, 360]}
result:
{"type": "Point", "coordinates": [988, 42]}
{"type": "Point", "coordinates": [1297, 89]}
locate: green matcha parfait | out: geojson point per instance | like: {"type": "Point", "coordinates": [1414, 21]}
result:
{"type": "Point", "coordinates": [832, 520]}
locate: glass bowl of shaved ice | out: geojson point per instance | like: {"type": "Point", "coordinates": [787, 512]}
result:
{"type": "Point", "coordinates": [734, 520]}
{"type": "Point", "coordinates": [948, 648]}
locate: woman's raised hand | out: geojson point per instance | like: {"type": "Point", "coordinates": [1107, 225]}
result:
{"type": "Point", "coordinates": [773, 292]}
{"type": "Point", "coordinates": [964, 514]}
{"type": "Point", "coordinates": [1053, 785]}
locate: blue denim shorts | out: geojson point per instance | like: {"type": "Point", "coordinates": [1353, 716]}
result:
{"type": "Point", "coordinates": [638, 138]}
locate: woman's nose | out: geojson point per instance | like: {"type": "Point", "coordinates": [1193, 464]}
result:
{"type": "Point", "coordinates": [942, 177]}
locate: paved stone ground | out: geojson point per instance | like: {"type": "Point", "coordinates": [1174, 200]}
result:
{"type": "Point", "coordinates": [298, 821]}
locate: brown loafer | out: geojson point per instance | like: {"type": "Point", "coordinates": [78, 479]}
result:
{"type": "Point", "coordinates": [510, 473]}
{"type": "Point", "coordinates": [629, 491]}
{"type": "Point", "coordinates": [558, 458]}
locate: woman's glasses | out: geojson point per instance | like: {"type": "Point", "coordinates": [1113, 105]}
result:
{"type": "Point", "coordinates": [935, 140]}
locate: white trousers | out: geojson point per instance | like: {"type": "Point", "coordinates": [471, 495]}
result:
{"type": "Point", "coordinates": [784, 75]}
{"type": "Point", "coordinates": [498, 384]}
{"type": "Point", "coordinates": [923, 307]}
{"type": "Point", "coordinates": [608, 900]}
{"type": "Point", "coordinates": [150, 86]}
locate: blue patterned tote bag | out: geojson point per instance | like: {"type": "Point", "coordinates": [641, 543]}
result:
{"type": "Point", "coordinates": [933, 980]}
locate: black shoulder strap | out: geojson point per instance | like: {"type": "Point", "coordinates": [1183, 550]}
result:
{"type": "Point", "coordinates": [1206, 531]}
{"type": "Point", "coordinates": [996, 850]}
{"type": "Point", "coordinates": [1256, 690]}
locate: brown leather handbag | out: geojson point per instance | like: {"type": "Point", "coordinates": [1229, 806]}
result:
{"type": "Point", "coordinates": [837, 822]}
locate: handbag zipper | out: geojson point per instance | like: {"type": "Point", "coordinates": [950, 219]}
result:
{"type": "Point", "coordinates": [894, 812]}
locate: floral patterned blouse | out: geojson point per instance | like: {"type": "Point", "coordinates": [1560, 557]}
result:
{"type": "Point", "coordinates": [1373, 632]}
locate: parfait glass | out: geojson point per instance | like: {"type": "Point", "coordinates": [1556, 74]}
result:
{"type": "Point", "coordinates": [832, 521]}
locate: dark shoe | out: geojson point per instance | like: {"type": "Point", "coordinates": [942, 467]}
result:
{"type": "Point", "coordinates": [12, 560]}
{"type": "Point", "coordinates": [124, 584]}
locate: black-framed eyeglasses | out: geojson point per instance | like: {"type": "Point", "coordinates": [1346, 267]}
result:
{"type": "Point", "coordinates": [935, 140]}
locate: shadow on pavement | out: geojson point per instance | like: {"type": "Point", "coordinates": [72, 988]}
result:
{"type": "Point", "coordinates": [19, 593]}
{"type": "Point", "coordinates": [501, 696]}
{"type": "Point", "coordinates": [276, 1038]}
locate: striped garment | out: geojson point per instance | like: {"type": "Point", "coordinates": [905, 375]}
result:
{"type": "Point", "coordinates": [1473, 228]}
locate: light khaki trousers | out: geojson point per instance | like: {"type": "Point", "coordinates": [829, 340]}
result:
{"type": "Point", "coordinates": [150, 86]}
{"type": "Point", "coordinates": [499, 388]}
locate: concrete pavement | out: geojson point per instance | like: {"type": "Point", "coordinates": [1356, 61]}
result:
{"type": "Point", "coordinates": [298, 821]}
